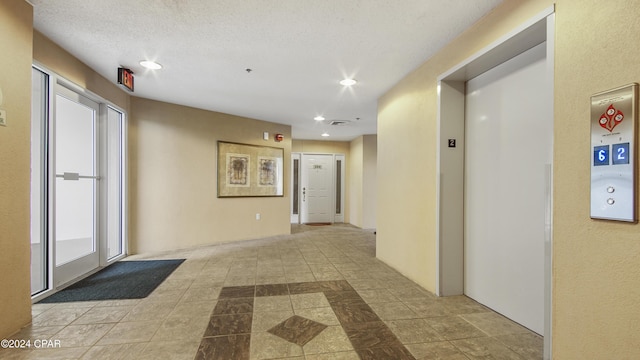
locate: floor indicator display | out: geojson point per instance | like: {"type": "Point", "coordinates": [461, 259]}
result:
{"type": "Point", "coordinates": [613, 160]}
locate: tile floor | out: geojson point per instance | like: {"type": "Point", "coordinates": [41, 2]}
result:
{"type": "Point", "coordinates": [319, 293]}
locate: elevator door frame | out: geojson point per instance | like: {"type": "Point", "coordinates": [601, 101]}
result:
{"type": "Point", "coordinates": [450, 162]}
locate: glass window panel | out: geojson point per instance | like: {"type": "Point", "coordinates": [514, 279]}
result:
{"type": "Point", "coordinates": [75, 199]}
{"type": "Point", "coordinates": [114, 183]}
{"type": "Point", "coordinates": [296, 190]}
{"type": "Point", "coordinates": [74, 219]}
{"type": "Point", "coordinates": [339, 187]}
{"type": "Point", "coordinates": [74, 137]}
{"type": "Point", "coordinates": [39, 111]}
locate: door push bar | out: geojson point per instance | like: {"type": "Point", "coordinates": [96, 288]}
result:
{"type": "Point", "coordinates": [76, 176]}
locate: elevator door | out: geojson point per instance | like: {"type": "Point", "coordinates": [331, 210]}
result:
{"type": "Point", "coordinates": [509, 132]}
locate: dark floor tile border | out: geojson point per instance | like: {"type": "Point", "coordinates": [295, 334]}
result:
{"type": "Point", "coordinates": [224, 347]}
{"type": "Point", "coordinates": [369, 335]}
{"type": "Point", "coordinates": [272, 290]}
{"type": "Point", "coordinates": [237, 292]}
{"type": "Point", "coordinates": [234, 306]}
{"type": "Point", "coordinates": [234, 324]}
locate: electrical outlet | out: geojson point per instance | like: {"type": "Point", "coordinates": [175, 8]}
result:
{"type": "Point", "coordinates": [3, 117]}
{"type": "Point", "coordinates": [258, 216]}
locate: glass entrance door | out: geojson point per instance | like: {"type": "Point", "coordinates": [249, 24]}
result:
{"type": "Point", "coordinates": [76, 185]}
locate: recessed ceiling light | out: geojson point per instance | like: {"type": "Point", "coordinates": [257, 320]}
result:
{"type": "Point", "coordinates": [152, 65]}
{"type": "Point", "coordinates": [348, 82]}
{"type": "Point", "coordinates": [318, 118]}
{"type": "Point", "coordinates": [325, 134]}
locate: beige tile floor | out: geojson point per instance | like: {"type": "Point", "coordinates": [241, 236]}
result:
{"type": "Point", "coordinates": [171, 323]}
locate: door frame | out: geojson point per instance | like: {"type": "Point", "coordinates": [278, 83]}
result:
{"type": "Point", "coordinates": [338, 214]}
{"type": "Point", "coordinates": [49, 178]}
{"type": "Point", "coordinates": [450, 161]}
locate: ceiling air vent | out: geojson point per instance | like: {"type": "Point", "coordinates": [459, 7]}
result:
{"type": "Point", "coordinates": [339, 122]}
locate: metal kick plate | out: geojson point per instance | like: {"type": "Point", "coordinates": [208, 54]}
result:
{"type": "Point", "coordinates": [613, 153]}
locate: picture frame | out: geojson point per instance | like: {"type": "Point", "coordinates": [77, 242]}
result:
{"type": "Point", "coordinates": [246, 170]}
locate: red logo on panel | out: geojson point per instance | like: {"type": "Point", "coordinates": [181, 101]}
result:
{"type": "Point", "coordinates": [611, 118]}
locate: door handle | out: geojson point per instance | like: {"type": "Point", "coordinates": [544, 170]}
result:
{"type": "Point", "coordinates": [304, 194]}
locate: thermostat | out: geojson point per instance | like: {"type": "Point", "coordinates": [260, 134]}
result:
{"type": "Point", "coordinates": [613, 153]}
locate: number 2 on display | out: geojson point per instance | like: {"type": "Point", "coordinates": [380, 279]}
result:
{"type": "Point", "coordinates": [621, 152]}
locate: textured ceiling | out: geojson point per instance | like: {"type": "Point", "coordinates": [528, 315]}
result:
{"type": "Point", "coordinates": [298, 51]}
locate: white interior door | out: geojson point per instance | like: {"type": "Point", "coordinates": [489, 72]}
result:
{"type": "Point", "coordinates": [76, 185]}
{"type": "Point", "coordinates": [509, 133]}
{"type": "Point", "coordinates": [317, 188]}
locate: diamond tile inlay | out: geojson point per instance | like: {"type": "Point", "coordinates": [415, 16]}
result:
{"type": "Point", "coordinates": [298, 330]}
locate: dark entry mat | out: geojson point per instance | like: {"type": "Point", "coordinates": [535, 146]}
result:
{"type": "Point", "coordinates": [122, 280]}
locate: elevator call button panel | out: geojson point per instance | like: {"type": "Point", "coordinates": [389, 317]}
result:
{"type": "Point", "coordinates": [613, 154]}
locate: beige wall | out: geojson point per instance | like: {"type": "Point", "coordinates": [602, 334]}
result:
{"type": "Point", "coordinates": [362, 181]}
{"type": "Point", "coordinates": [320, 147]}
{"type": "Point", "coordinates": [369, 181]}
{"type": "Point", "coordinates": [596, 263]}
{"type": "Point", "coordinates": [173, 194]}
{"type": "Point", "coordinates": [356, 167]}
{"type": "Point", "coordinates": [16, 19]}
{"type": "Point", "coordinates": [330, 147]}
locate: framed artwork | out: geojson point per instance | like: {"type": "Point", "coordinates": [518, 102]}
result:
{"type": "Point", "coordinates": [249, 170]}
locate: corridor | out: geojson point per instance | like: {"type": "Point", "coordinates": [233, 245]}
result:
{"type": "Point", "coordinates": [318, 293]}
